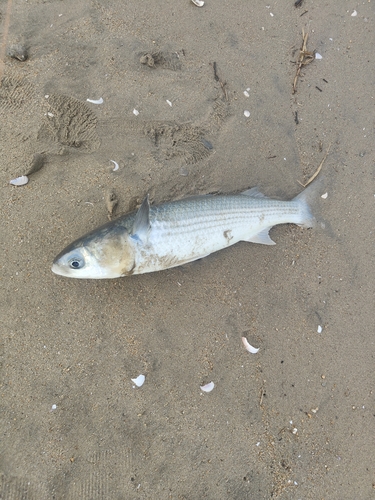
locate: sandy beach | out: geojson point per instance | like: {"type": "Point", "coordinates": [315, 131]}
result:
{"type": "Point", "coordinates": [187, 101]}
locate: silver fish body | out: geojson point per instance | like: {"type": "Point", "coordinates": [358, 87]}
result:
{"type": "Point", "coordinates": [174, 233]}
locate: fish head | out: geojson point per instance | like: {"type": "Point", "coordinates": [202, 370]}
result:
{"type": "Point", "coordinates": [107, 252]}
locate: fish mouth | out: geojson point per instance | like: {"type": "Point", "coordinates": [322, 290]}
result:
{"type": "Point", "coordinates": [56, 269]}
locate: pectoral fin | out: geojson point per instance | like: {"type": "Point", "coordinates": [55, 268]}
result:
{"type": "Point", "coordinates": [141, 226]}
{"type": "Point", "coordinates": [263, 237]}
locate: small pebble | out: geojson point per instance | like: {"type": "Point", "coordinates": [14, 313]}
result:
{"type": "Point", "coordinates": [320, 329]}
{"type": "Point", "coordinates": [136, 112]}
{"type": "Point", "coordinates": [111, 202]}
{"type": "Point", "coordinates": [206, 143]}
{"type": "Point", "coordinates": [147, 59]}
{"type": "Point", "coordinates": [246, 113]}
{"type": "Point", "coordinates": [17, 51]}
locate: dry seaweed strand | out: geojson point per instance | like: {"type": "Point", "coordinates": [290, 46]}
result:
{"type": "Point", "coordinates": [222, 83]}
{"type": "Point", "coordinates": [317, 170]}
{"type": "Point", "coordinates": [304, 58]}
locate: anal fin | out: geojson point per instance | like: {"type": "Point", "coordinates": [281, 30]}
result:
{"type": "Point", "coordinates": [263, 238]}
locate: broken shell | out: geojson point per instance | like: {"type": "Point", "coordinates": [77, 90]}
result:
{"type": "Point", "coordinates": [324, 196]}
{"type": "Point", "coordinates": [136, 112]}
{"type": "Point", "coordinates": [19, 181]}
{"type": "Point", "coordinates": [248, 346]}
{"type": "Point", "coordinates": [320, 329]}
{"type": "Point", "coordinates": [246, 93]}
{"type": "Point", "coordinates": [318, 56]}
{"type": "Point", "coordinates": [246, 113]}
{"type": "Point", "coordinates": [198, 3]}
{"type": "Point", "coordinates": [207, 387]}
{"type": "Point", "coordinates": [139, 381]}
{"type": "Point", "coordinates": [97, 101]}
{"type": "Point", "coordinates": [115, 165]}
{"type": "Point", "coordinates": [169, 102]}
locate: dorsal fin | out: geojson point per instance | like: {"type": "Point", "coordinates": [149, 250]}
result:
{"type": "Point", "coordinates": [254, 193]}
{"type": "Point", "coordinates": [142, 224]}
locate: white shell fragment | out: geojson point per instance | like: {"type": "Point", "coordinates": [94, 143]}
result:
{"type": "Point", "coordinates": [246, 93]}
{"type": "Point", "coordinates": [208, 387]}
{"type": "Point", "coordinates": [19, 181]}
{"type": "Point", "coordinates": [318, 56]}
{"type": "Point", "coordinates": [136, 112]}
{"type": "Point", "coordinates": [354, 13]}
{"type": "Point", "coordinates": [95, 101]}
{"type": "Point", "coordinates": [198, 3]}
{"type": "Point", "coordinates": [115, 165]}
{"type": "Point", "coordinates": [324, 196]}
{"type": "Point", "coordinates": [320, 329]}
{"type": "Point", "coordinates": [246, 113]}
{"type": "Point", "coordinates": [139, 381]}
{"type": "Point", "coordinates": [53, 407]}
{"type": "Point", "coordinates": [248, 346]}
{"type": "Point", "coordinates": [169, 102]}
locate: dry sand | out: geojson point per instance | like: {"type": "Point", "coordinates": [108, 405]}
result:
{"type": "Point", "coordinates": [296, 420]}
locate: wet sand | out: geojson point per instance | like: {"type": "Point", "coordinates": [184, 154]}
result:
{"type": "Point", "coordinates": [295, 420]}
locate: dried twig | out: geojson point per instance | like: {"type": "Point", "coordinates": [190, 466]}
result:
{"type": "Point", "coordinates": [5, 38]}
{"type": "Point", "coordinates": [304, 58]}
{"type": "Point", "coordinates": [317, 170]}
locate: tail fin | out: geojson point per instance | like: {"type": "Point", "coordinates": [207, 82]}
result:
{"type": "Point", "coordinates": [309, 203]}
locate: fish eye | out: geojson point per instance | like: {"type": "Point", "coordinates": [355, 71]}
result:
{"type": "Point", "coordinates": [76, 263]}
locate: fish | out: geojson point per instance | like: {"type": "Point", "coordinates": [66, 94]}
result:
{"type": "Point", "coordinates": [158, 237]}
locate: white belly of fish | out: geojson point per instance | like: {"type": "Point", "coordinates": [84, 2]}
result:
{"type": "Point", "coordinates": [193, 228]}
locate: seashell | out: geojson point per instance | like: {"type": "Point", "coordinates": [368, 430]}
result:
{"type": "Point", "coordinates": [139, 381]}
{"type": "Point", "coordinates": [208, 387]}
{"type": "Point", "coordinates": [248, 346]}
{"type": "Point", "coordinates": [115, 165]}
{"type": "Point", "coordinates": [95, 101]}
{"type": "Point", "coordinates": [19, 181]}
{"type": "Point", "coordinates": [198, 3]}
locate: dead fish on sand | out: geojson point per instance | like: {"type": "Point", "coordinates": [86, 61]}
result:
{"type": "Point", "coordinates": [174, 233]}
